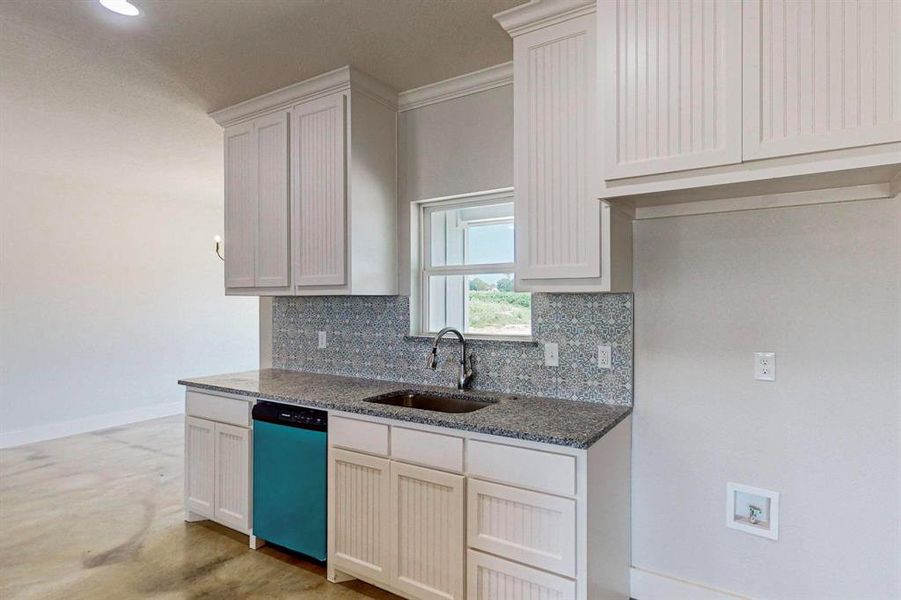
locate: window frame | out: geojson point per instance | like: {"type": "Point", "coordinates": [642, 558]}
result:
{"type": "Point", "coordinates": [426, 269]}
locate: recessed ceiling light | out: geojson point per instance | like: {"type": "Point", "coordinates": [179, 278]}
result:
{"type": "Point", "coordinates": [123, 7]}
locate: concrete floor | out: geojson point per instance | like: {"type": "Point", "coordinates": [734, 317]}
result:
{"type": "Point", "coordinates": [100, 515]}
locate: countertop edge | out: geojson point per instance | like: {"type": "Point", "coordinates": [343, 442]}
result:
{"type": "Point", "coordinates": [575, 443]}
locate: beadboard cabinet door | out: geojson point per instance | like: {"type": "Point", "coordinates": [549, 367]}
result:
{"type": "Point", "coordinates": [556, 206]}
{"type": "Point", "coordinates": [320, 191]}
{"type": "Point", "coordinates": [428, 537]}
{"type": "Point", "coordinates": [549, 541]}
{"type": "Point", "coordinates": [493, 578]}
{"type": "Point", "coordinates": [256, 204]}
{"type": "Point", "coordinates": [271, 266]}
{"type": "Point", "coordinates": [241, 215]}
{"type": "Point", "coordinates": [200, 452]}
{"type": "Point", "coordinates": [820, 75]}
{"type": "Point", "coordinates": [232, 481]}
{"type": "Point", "coordinates": [671, 85]}
{"type": "Point", "coordinates": [361, 504]}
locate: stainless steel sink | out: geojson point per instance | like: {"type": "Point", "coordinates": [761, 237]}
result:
{"type": "Point", "coordinates": [446, 403]}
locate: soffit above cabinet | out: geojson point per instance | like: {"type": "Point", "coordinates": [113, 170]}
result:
{"type": "Point", "coordinates": [322, 85]}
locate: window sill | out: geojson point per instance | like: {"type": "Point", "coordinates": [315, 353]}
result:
{"type": "Point", "coordinates": [476, 338]}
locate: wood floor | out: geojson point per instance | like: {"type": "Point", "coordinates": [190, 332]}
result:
{"type": "Point", "coordinates": [100, 516]}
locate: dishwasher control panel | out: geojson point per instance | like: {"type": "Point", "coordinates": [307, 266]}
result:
{"type": "Point", "coordinates": [291, 416]}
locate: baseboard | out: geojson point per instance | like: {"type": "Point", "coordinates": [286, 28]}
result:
{"type": "Point", "coordinates": [51, 431]}
{"type": "Point", "coordinates": [653, 586]}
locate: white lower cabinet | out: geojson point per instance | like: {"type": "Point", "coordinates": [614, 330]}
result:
{"type": "Point", "coordinates": [232, 477]}
{"type": "Point", "coordinates": [428, 532]}
{"type": "Point", "coordinates": [218, 460]}
{"type": "Point", "coordinates": [200, 452]}
{"type": "Point", "coordinates": [493, 578]}
{"type": "Point", "coordinates": [360, 509]}
{"type": "Point", "coordinates": [529, 527]}
{"type": "Point", "coordinates": [433, 514]}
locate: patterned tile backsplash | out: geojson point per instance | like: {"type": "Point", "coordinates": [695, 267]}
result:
{"type": "Point", "coordinates": [368, 336]}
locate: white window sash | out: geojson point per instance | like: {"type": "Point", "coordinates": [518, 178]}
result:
{"type": "Point", "coordinates": [428, 270]}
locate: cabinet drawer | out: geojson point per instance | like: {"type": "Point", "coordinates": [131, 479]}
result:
{"type": "Point", "coordinates": [429, 449]}
{"type": "Point", "coordinates": [493, 578]}
{"type": "Point", "coordinates": [528, 527]}
{"type": "Point", "coordinates": [358, 435]}
{"type": "Point", "coordinates": [545, 471]}
{"type": "Point", "coordinates": [217, 408]}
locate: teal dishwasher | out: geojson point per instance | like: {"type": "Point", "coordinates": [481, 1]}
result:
{"type": "Point", "coordinates": [289, 477]}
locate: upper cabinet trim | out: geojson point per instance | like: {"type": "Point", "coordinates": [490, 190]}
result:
{"type": "Point", "coordinates": [456, 87]}
{"type": "Point", "coordinates": [537, 14]}
{"type": "Point", "coordinates": [339, 80]}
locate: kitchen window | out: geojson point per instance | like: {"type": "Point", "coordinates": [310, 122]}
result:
{"type": "Point", "coordinates": [468, 269]}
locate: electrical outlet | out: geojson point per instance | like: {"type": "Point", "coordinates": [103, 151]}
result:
{"type": "Point", "coordinates": [605, 357]}
{"type": "Point", "coordinates": [322, 341]}
{"type": "Point", "coordinates": [765, 366]}
{"type": "Point", "coordinates": [551, 354]}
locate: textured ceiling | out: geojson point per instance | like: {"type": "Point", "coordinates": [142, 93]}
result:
{"type": "Point", "coordinates": [224, 51]}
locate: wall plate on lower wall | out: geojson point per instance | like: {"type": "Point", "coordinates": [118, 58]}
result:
{"type": "Point", "coordinates": [752, 510]}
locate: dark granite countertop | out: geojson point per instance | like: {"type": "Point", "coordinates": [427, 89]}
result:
{"type": "Point", "coordinates": [549, 420]}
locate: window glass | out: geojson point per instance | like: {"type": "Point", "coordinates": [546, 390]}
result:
{"type": "Point", "coordinates": [467, 278]}
{"type": "Point", "coordinates": [483, 303]}
{"type": "Point", "coordinates": [472, 235]}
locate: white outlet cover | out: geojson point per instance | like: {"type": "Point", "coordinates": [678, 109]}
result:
{"type": "Point", "coordinates": [605, 356]}
{"type": "Point", "coordinates": [322, 340]}
{"type": "Point", "coordinates": [765, 366]}
{"type": "Point", "coordinates": [739, 497]}
{"type": "Point", "coordinates": [551, 354]}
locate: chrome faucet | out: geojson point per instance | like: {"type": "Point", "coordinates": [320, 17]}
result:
{"type": "Point", "coordinates": [466, 373]}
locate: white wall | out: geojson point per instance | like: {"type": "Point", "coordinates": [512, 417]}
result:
{"type": "Point", "coordinates": [457, 146]}
{"type": "Point", "coordinates": [819, 286]}
{"type": "Point", "coordinates": [452, 147]}
{"type": "Point", "coordinates": [111, 192]}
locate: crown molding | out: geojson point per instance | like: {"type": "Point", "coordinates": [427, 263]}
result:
{"type": "Point", "coordinates": [341, 79]}
{"type": "Point", "coordinates": [537, 14]}
{"type": "Point", "coordinates": [455, 87]}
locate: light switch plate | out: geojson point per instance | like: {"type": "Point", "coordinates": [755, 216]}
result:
{"type": "Point", "coordinates": [605, 356]}
{"type": "Point", "coordinates": [322, 340]}
{"type": "Point", "coordinates": [551, 354]}
{"type": "Point", "coordinates": [765, 366]}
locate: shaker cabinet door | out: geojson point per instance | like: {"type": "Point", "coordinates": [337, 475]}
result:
{"type": "Point", "coordinates": [671, 85]}
{"type": "Point", "coordinates": [820, 75]}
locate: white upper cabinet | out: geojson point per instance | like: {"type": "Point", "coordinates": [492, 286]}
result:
{"type": "Point", "coordinates": [311, 208]}
{"type": "Point", "coordinates": [757, 100]}
{"type": "Point", "coordinates": [820, 75]}
{"type": "Point", "coordinates": [320, 187]}
{"type": "Point", "coordinates": [671, 85]}
{"type": "Point", "coordinates": [256, 203]}
{"type": "Point", "coordinates": [567, 240]}
{"type": "Point", "coordinates": [272, 186]}
{"type": "Point", "coordinates": [240, 206]}
{"type": "Point", "coordinates": [556, 207]}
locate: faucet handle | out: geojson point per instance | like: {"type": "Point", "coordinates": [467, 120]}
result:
{"type": "Point", "coordinates": [432, 359]}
